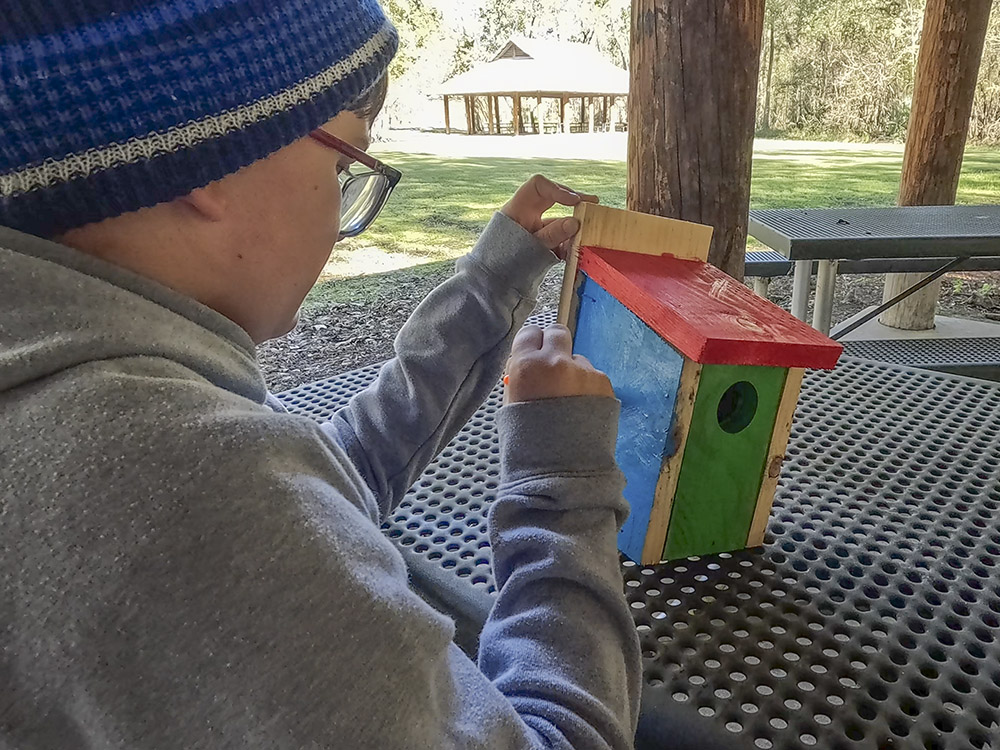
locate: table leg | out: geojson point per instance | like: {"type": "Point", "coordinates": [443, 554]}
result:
{"type": "Point", "coordinates": [826, 285]}
{"type": "Point", "coordinates": [800, 288]}
{"type": "Point", "coordinates": [761, 286]}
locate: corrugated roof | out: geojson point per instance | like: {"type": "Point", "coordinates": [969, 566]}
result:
{"type": "Point", "coordinates": [542, 67]}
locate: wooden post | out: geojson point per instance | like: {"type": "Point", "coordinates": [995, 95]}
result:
{"type": "Point", "coordinates": [538, 115]}
{"type": "Point", "coordinates": [517, 114]}
{"type": "Point", "coordinates": [447, 116]}
{"type": "Point", "coordinates": [496, 111]}
{"type": "Point", "coordinates": [951, 50]}
{"type": "Point", "coordinates": [604, 121]}
{"type": "Point", "coordinates": [562, 114]}
{"type": "Point", "coordinates": [766, 119]}
{"type": "Point", "coordinates": [694, 77]}
{"type": "Point", "coordinates": [468, 116]}
{"type": "Point", "coordinates": [590, 121]}
{"type": "Point", "coordinates": [489, 115]}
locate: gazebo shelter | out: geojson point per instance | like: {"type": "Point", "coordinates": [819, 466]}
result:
{"type": "Point", "coordinates": [538, 69]}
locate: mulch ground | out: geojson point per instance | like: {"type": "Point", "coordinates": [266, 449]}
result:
{"type": "Point", "coordinates": [332, 338]}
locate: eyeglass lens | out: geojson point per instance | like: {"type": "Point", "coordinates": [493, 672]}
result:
{"type": "Point", "coordinates": [362, 198]}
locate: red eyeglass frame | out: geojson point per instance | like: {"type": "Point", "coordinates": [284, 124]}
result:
{"type": "Point", "coordinates": [391, 175]}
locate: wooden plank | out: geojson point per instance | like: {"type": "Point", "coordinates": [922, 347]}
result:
{"type": "Point", "coordinates": [723, 461]}
{"type": "Point", "coordinates": [645, 372]}
{"type": "Point", "coordinates": [666, 487]}
{"type": "Point", "coordinates": [707, 315]}
{"type": "Point", "coordinates": [775, 456]}
{"type": "Point", "coordinates": [603, 226]}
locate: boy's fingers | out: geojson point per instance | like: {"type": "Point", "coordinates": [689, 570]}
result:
{"type": "Point", "coordinates": [555, 232]}
{"type": "Point", "coordinates": [548, 193]}
{"type": "Point", "coordinates": [585, 197]}
{"type": "Point", "coordinates": [558, 337]}
{"type": "Point", "coordinates": [528, 339]}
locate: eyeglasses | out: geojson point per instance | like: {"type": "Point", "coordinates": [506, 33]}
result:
{"type": "Point", "coordinates": [363, 195]}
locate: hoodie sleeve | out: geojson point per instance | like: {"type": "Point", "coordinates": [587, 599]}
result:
{"type": "Point", "coordinates": [449, 356]}
{"type": "Point", "coordinates": [233, 592]}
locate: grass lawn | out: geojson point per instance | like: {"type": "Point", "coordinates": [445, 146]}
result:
{"type": "Point", "coordinates": [442, 203]}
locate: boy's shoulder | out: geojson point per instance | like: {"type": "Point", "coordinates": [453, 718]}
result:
{"type": "Point", "coordinates": [147, 427]}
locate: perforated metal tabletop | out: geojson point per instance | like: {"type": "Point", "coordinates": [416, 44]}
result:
{"type": "Point", "coordinates": [871, 618]}
{"type": "Point", "coordinates": [891, 232]}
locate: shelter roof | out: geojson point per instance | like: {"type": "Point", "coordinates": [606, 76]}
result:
{"type": "Point", "coordinates": [542, 67]}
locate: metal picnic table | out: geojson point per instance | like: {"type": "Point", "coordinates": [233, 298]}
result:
{"type": "Point", "coordinates": [952, 234]}
{"type": "Point", "coordinates": [870, 619]}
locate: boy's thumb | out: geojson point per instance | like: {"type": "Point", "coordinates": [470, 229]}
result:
{"type": "Point", "coordinates": [553, 234]}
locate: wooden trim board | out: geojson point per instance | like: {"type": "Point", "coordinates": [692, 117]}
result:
{"type": "Point", "coordinates": [628, 231]}
{"type": "Point", "coordinates": [775, 456]}
{"type": "Point", "coordinates": [663, 499]}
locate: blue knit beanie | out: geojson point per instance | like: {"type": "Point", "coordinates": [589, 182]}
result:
{"type": "Point", "coordinates": [108, 106]}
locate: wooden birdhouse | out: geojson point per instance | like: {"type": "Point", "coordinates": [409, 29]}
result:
{"type": "Point", "coordinates": [708, 374]}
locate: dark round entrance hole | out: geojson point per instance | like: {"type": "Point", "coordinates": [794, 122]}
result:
{"type": "Point", "coordinates": [737, 407]}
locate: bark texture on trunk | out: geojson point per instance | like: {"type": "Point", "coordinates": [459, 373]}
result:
{"type": "Point", "coordinates": [951, 50]}
{"type": "Point", "coordinates": [695, 71]}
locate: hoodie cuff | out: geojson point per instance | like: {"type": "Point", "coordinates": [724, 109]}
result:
{"type": "Point", "coordinates": [558, 436]}
{"type": "Point", "coordinates": [512, 255]}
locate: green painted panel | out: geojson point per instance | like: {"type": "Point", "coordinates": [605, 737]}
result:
{"type": "Point", "coordinates": [723, 464]}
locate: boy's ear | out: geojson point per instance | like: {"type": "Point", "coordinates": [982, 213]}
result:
{"type": "Point", "coordinates": [208, 201]}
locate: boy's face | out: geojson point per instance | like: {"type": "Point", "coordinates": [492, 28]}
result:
{"type": "Point", "coordinates": [284, 219]}
{"type": "Point", "coordinates": [250, 245]}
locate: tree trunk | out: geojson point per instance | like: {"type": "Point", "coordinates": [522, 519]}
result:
{"type": "Point", "coordinates": [694, 76]}
{"type": "Point", "coordinates": [766, 124]}
{"type": "Point", "coordinates": [951, 50]}
{"type": "Point", "coordinates": [447, 116]}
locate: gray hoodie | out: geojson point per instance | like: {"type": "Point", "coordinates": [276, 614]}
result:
{"type": "Point", "coordinates": [184, 566]}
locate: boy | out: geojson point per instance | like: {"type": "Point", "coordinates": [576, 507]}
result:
{"type": "Point", "coordinates": [186, 565]}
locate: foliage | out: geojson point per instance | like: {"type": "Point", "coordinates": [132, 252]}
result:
{"type": "Point", "coordinates": [418, 25]}
{"type": "Point", "coordinates": [603, 23]}
{"type": "Point", "coordinates": [841, 68]}
{"type": "Point", "coordinates": [845, 68]}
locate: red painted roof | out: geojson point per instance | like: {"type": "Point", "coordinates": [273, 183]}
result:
{"type": "Point", "coordinates": [706, 314]}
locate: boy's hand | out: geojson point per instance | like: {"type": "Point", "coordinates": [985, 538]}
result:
{"type": "Point", "coordinates": [542, 365]}
{"type": "Point", "coordinates": [537, 196]}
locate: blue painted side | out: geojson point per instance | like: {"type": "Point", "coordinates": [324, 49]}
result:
{"type": "Point", "coordinates": [645, 371]}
